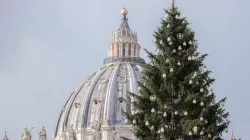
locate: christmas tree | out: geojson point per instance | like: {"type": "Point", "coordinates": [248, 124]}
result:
{"type": "Point", "coordinates": [175, 100]}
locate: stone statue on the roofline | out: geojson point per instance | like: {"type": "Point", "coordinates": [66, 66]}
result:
{"type": "Point", "coordinates": [26, 135]}
{"type": "Point", "coordinates": [42, 134]}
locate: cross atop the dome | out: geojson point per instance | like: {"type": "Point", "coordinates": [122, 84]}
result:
{"type": "Point", "coordinates": [172, 2]}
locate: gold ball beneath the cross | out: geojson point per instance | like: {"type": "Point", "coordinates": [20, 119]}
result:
{"type": "Point", "coordinates": [124, 11]}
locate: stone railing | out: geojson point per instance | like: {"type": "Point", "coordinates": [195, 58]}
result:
{"type": "Point", "coordinates": [123, 59]}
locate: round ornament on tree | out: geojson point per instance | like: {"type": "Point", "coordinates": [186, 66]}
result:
{"type": "Point", "coordinates": [180, 36]}
{"type": "Point", "coordinates": [134, 121]}
{"type": "Point", "coordinates": [201, 119]}
{"type": "Point", "coordinates": [174, 51]}
{"type": "Point", "coordinates": [165, 114]}
{"type": "Point", "coordinates": [167, 61]}
{"type": "Point", "coordinates": [194, 101]}
{"type": "Point", "coordinates": [185, 113]}
{"type": "Point", "coordinates": [153, 110]}
{"type": "Point", "coordinates": [179, 48]}
{"type": "Point", "coordinates": [202, 104]}
{"type": "Point", "coordinates": [193, 57]}
{"type": "Point", "coordinates": [147, 123]}
{"type": "Point", "coordinates": [162, 130]}
{"type": "Point", "coordinates": [139, 88]}
{"type": "Point", "coordinates": [164, 75]}
{"type": "Point", "coordinates": [169, 38]}
{"type": "Point", "coordinates": [171, 70]}
{"type": "Point", "coordinates": [201, 133]}
{"type": "Point", "coordinates": [190, 82]}
{"type": "Point", "coordinates": [152, 98]}
{"type": "Point", "coordinates": [176, 112]}
{"type": "Point", "coordinates": [190, 133]}
{"type": "Point", "coordinates": [184, 43]}
{"type": "Point", "coordinates": [201, 90]}
{"type": "Point", "coordinates": [126, 121]}
{"type": "Point", "coordinates": [209, 135]}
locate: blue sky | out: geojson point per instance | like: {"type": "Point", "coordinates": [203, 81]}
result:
{"type": "Point", "coordinates": [48, 47]}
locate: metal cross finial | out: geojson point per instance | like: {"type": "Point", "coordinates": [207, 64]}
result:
{"type": "Point", "coordinates": [172, 2]}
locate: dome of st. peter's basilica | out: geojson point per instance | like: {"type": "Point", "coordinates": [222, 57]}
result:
{"type": "Point", "coordinates": [93, 111]}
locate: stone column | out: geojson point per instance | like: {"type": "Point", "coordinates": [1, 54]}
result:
{"type": "Point", "coordinates": [126, 50]}
{"type": "Point", "coordinates": [132, 50]}
{"type": "Point", "coordinates": [136, 50]}
{"type": "Point", "coordinates": [115, 50]}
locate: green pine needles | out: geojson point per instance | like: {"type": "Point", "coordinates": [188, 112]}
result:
{"type": "Point", "coordinates": [175, 100]}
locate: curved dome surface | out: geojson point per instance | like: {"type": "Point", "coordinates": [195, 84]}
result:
{"type": "Point", "coordinates": [93, 111]}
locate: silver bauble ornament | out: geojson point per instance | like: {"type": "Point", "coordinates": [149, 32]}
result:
{"type": "Point", "coordinates": [201, 90]}
{"type": "Point", "coordinates": [193, 57]}
{"type": "Point", "coordinates": [202, 104]}
{"type": "Point", "coordinates": [153, 110]}
{"type": "Point", "coordinates": [167, 60]}
{"type": "Point", "coordinates": [201, 119]}
{"type": "Point", "coordinates": [179, 48]}
{"type": "Point", "coordinates": [209, 136]}
{"type": "Point", "coordinates": [201, 133]}
{"type": "Point", "coordinates": [152, 98]}
{"type": "Point", "coordinates": [190, 133]}
{"type": "Point", "coordinates": [171, 70]}
{"type": "Point", "coordinates": [162, 130]}
{"type": "Point", "coordinates": [176, 112]}
{"type": "Point", "coordinates": [180, 36]}
{"type": "Point", "coordinates": [185, 113]}
{"type": "Point", "coordinates": [139, 88]}
{"type": "Point", "coordinates": [184, 43]}
{"type": "Point", "coordinates": [194, 101]}
{"type": "Point", "coordinates": [165, 114]}
{"type": "Point", "coordinates": [134, 121]}
{"type": "Point", "coordinates": [126, 121]}
{"type": "Point", "coordinates": [179, 63]}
